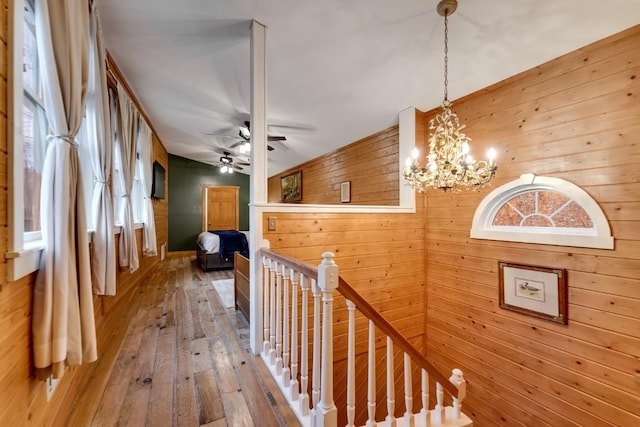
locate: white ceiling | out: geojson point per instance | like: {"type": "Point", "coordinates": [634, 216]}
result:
{"type": "Point", "coordinates": [337, 70]}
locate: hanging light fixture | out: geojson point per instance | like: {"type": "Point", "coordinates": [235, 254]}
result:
{"type": "Point", "coordinates": [226, 163]}
{"type": "Point", "coordinates": [449, 164]}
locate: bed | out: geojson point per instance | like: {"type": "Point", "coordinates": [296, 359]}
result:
{"type": "Point", "coordinates": [215, 248]}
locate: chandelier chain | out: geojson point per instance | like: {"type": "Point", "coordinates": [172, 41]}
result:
{"type": "Point", "coordinates": [446, 56]}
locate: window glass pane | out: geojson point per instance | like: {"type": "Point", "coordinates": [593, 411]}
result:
{"type": "Point", "coordinates": [30, 54]}
{"type": "Point", "coordinates": [33, 151]}
{"type": "Point", "coordinates": [86, 170]}
{"type": "Point", "coordinates": [137, 195]}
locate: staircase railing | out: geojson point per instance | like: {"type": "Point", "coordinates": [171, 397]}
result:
{"type": "Point", "coordinates": [295, 293]}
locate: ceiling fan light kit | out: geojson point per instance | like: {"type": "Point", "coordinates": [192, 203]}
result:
{"type": "Point", "coordinates": [226, 163]}
{"type": "Point", "coordinates": [449, 166]}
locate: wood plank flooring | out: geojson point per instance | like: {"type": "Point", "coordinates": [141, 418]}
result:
{"type": "Point", "coordinates": [185, 361]}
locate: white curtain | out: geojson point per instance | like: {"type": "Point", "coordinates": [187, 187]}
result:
{"type": "Point", "coordinates": [63, 319]}
{"type": "Point", "coordinates": [128, 137]}
{"type": "Point", "coordinates": [100, 149]}
{"type": "Point", "coordinates": [145, 147]}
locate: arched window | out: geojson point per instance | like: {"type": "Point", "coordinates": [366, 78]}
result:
{"type": "Point", "coordinates": [537, 209]}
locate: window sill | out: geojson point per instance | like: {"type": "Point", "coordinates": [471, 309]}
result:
{"type": "Point", "coordinates": [26, 261]}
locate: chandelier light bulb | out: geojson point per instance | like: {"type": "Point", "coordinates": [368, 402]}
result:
{"type": "Point", "coordinates": [491, 155]}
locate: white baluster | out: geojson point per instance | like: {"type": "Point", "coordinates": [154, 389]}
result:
{"type": "Point", "coordinates": [457, 379]}
{"type": "Point", "coordinates": [391, 389]}
{"type": "Point", "coordinates": [327, 414]}
{"type": "Point", "coordinates": [278, 322]}
{"type": "Point", "coordinates": [304, 349]}
{"type": "Point", "coordinates": [266, 312]}
{"type": "Point", "coordinates": [408, 393]}
{"type": "Point", "coordinates": [272, 310]}
{"type": "Point", "coordinates": [351, 366]}
{"type": "Point", "coordinates": [438, 415]}
{"type": "Point", "coordinates": [315, 374]}
{"type": "Point", "coordinates": [424, 411]}
{"type": "Point", "coordinates": [371, 377]}
{"type": "Point", "coordinates": [294, 337]}
{"type": "Point", "coordinates": [286, 373]}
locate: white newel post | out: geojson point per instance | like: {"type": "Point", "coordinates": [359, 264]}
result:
{"type": "Point", "coordinates": [327, 413]}
{"type": "Point", "coordinates": [457, 379]}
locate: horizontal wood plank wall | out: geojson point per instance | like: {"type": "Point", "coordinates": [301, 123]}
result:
{"type": "Point", "coordinates": [22, 396]}
{"type": "Point", "coordinates": [371, 164]}
{"type": "Point", "coordinates": [575, 118]}
{"type": "Point", "coordinates": [383, 257]}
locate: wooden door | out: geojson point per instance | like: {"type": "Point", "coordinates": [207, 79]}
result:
{"type": "Point", "coordinates": [220, 207]}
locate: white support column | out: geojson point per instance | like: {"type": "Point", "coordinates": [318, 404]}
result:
{"type": "Point", "coordinates": [304, 348]}
{"type": "Point", "coordinates": [351, 366]}
{"type": "Point", "coordinates": [327, 414]}
{"type": "Point", "coordinates": [391, 389]}
{"type": "Point", "coordinates": [295, 394]}
{"type": "Point", "coordinates": [408, 393]}
{"type": "Point", "coordinates": [257, 177]}
{"type": "Point", "coordinates": [371, 376]}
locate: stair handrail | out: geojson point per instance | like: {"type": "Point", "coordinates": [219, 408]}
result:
{"type": "Point", "coordinates": [370, 313]}
{"type": "Point", "coordinates": [389, 330]}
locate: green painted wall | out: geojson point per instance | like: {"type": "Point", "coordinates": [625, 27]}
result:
{"type": "Point", "coordinates": [185, 199]}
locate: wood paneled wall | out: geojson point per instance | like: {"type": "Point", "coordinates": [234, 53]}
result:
{"type": "Point", "coordinates": [575, 118]}
{"type": "Point", "coordinates": [371, 164]}
{"type": "Point", "coordinates": [22, 396]}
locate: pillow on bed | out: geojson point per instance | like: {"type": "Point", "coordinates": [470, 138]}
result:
{"type": "Point", "coordinates": [209, 241]}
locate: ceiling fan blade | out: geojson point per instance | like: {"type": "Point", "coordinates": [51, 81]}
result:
{"type": "Point", "coordinates": [243, 163]}
{"type": "Point", "coordinates": [276, 138]}
{"type": "Point", "coordinates": [237, 144]}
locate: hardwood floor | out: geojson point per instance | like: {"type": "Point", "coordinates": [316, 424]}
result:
{"type": "Point", "coordinates": [184, 361]}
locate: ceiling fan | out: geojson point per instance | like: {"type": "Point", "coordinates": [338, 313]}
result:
{"type": "Point", "coordinates": [245, 133]}
{"type": "Point", "coordinates": [227, 165]}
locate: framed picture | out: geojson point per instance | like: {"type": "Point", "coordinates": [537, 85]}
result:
{"type": "Point", "coordinates": [291, 187]}
{"type": "Point", "coordinates": [533, 290]}
{"type": "Point", "coordinates": [345, 191]}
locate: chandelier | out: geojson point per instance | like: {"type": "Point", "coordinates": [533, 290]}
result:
{"type": "Point", "coordinates": [449, 164]}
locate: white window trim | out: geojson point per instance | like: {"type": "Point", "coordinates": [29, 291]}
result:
{"type": "Point", "coordinates": [23, 255]}
{"type": "Point", "coordinates": [597, 237]}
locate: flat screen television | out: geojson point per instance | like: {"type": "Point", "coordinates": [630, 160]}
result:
{"type": "Point", "coordinates": [157, 188]}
